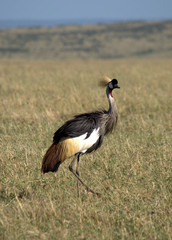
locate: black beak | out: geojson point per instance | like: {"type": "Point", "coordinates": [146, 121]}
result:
{"type": "Point", "coordinates": [117, 86]}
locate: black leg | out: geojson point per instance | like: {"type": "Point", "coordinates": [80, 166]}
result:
{"type": "Point", "coordinates": [77, 176]}
{"type": "Point", "coordinates": [77, 166]}
{"type": "Point", "coordinates": [77, 172]}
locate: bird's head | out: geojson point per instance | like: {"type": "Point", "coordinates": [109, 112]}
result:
{"type": "Point", "coordinates": [110, 84]}
{"type": "Point", "coordinates": [107, 82]}
{"type": "Point", "coordinates": [113, 84]}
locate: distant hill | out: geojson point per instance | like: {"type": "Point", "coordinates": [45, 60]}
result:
{"type": "Point", "coordinates": [117, 40]}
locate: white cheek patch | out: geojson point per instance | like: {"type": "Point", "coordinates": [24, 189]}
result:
{"type": "Point", "coordinates": [110, 85]}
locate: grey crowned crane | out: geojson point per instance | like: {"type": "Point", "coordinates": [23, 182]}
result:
{"type": "Point", "coordinates": [82, 134]}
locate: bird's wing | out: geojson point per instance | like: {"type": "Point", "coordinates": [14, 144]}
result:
{"type": "Point", "coordinates": [80, 125]}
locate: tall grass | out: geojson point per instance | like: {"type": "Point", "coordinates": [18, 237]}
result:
{"type": "Point", "coordinates": [132, 169]}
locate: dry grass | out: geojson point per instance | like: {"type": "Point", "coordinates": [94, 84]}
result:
{"type": "Point", "coordinates": [118, 40]}
{"type": "Point", "coordinates": [132, 169]}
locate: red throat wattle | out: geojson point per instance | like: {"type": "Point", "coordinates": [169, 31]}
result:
{"type": "Point", "coordinates": [111, 94]}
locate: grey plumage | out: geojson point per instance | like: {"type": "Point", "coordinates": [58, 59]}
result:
{"type": "Point", "coordinates": [83, 134]}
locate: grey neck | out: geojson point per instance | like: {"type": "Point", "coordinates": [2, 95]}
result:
{"type": "Point", "coordinates": [112, 105]}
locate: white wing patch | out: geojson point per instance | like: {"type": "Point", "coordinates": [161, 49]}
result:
{"type": "Point", "coordinates": [85, 144]}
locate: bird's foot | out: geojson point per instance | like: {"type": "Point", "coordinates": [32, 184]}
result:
{"type": "Point", "coordinates": [98, 194]}
{"type": "Point", "coordinates": [90, 190]}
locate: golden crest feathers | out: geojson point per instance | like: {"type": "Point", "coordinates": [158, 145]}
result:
{"type": "Point", "coordinates": [104, 81]}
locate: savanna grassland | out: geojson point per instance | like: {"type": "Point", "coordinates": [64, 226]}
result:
{"type": "Point", "coordinates": [117, 40]}
{"type": "Point", "coordinates": [132, 169]}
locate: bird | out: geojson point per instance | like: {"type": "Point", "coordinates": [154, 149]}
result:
{"type": "Point", "coordinates": [82, 135]}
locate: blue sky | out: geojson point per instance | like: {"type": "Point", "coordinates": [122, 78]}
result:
{"type": "Point", "coordinates": [85, 9]}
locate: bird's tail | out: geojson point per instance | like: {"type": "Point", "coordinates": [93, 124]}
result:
{"type": "Point", "coordinates": [50, 162]}
{"type": "Point", "coordinates": [103, 82]}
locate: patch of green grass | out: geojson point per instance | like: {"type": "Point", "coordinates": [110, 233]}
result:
{"type": "Point", "coordinates": [132, 169]}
